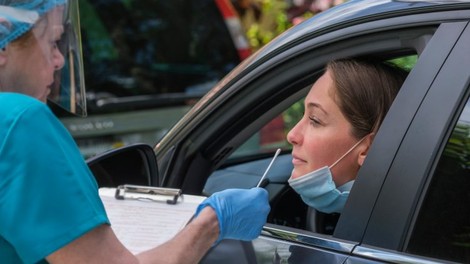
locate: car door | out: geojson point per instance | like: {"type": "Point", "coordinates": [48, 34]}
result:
{"type": "Point", "coordinates": [280, 243]}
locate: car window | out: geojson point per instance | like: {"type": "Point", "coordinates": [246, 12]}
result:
{"type": "Point", "coordinates": [442, 228]}
{"type": "Point", "coordinates": [146, 63]}
{"type": "Point", "coordinates": [246, 165]}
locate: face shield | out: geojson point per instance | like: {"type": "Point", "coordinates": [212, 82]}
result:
{"type": "Point", "coordinates": [55, 27]}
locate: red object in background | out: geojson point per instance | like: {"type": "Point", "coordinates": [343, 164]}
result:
{"type": "Point", "coordinates": [234, 25]}
{"type": "Point", "coordinates": [273, 132]}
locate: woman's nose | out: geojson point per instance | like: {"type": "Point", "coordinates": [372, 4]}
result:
{"type": "Point", "coordinates": [59, 60]}
{"type": "Point", "coordinates": [294, 136]}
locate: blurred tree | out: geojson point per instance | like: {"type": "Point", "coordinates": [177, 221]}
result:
{"type": "Point", "coordinates": [263, 20]}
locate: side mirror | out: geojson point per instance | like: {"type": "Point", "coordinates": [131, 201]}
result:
{"type": "Point", "coordinates": [134, 164]}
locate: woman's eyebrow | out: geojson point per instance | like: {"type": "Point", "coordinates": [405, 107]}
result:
{"type": "Point", "coordinates": [312, 105]}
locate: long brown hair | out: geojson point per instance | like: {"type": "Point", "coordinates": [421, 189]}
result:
{"type": "Point", "coordinates": [365, 90]}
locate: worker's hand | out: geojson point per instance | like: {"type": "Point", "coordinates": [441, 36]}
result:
{"type": "Point", "coordinates": [241, 212]}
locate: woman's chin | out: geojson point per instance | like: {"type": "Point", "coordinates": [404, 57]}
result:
{"type": "Point", "coordinates": [296, 174]}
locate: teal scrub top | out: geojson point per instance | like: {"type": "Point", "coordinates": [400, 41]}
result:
{"type": "Point", "coordinates": [48, 196]}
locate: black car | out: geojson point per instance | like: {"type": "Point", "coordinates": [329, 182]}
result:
{"type": "Point", "coordinates": [411, 200]}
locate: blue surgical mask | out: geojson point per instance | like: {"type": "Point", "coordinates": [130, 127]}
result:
{"type": "Point", "coordinates": [318, 190]}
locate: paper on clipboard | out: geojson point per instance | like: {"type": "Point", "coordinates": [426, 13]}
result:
{"type": "Point", "coordinates": [143, 224]}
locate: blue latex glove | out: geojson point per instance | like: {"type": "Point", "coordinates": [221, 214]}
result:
{"type": "Point", "coordinates": [241, 212]}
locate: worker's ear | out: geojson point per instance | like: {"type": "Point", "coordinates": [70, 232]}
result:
{"type": "Point", "coordinates": [364, 148]}
{"type": "Point", "coordinates": [3, 56]}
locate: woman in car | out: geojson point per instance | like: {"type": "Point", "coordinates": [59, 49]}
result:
{"type": "Point", "coordinates": [343, 111]}
{"type": "Point", "coordinates": [49, 204]}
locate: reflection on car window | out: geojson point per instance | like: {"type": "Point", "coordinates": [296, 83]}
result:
{"type": "Point", "coordinates": [442, 229]}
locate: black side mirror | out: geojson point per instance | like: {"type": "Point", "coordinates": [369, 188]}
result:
{"type": "Point", "coordinates": [134, 164]}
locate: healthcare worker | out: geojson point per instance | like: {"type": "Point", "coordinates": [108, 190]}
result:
{"type": "Point", "coordinates": [50, 210]}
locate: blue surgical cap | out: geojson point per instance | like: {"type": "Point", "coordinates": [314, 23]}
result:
{"type": "Point", "coordinates": [18, 16]}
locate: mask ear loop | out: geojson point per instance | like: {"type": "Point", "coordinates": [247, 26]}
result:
{"type": "Point", "coordinates": [347, 152]}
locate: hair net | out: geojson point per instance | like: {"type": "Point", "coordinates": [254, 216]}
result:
{"type": "Point", "coordinates": [18, 16]}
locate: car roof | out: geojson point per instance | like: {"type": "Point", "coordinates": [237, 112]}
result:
{"type": "Point", "coordinates": [357, 12]}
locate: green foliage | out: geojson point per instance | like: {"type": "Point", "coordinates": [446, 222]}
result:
{"type": "Point", "coordinates": [293, 114]}
{"type": "Point", "coordinates": [458, 147]}
{"type": "Point", "coordinates": [407, 62]}
{"type": "Point", "coordinates": [272, 22]}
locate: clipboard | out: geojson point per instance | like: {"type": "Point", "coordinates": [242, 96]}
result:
{"type": "Point", "coordinates": [143, 217]}
{"type": "Point", "coordinates": [137, 192]}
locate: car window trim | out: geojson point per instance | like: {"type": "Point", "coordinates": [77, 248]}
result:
{"type": "Point", "coordinates": [299, 236]}
{"type": "Point", "coordinates": [389, 256]}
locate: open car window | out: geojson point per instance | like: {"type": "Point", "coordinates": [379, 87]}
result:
{"type": "Point", "coordinates": [273, 135]}
{"type": "Point", "coordinates": [247, 164]}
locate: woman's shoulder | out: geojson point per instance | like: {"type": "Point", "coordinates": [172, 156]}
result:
{"type": "Point", "coordinates": [25, 112]}
{"type": "Point", "coordinates": [16, 103]}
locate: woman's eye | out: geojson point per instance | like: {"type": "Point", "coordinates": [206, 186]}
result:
{"type": "Point", "coordinates": [314, 121]}
{"type": "Point", "coordinates": [54, 44]}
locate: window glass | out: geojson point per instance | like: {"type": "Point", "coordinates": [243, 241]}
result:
{"type": "Point", "coordinates": [442, 229]}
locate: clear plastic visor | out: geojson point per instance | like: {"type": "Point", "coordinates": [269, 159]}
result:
{"type": "Point", "coordinates": [45, 60]}
{"type": "Point", "coordinates": [68, 88]}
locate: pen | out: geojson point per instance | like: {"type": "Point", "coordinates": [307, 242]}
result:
{"type": "Point", "coordinates": [269, 167]}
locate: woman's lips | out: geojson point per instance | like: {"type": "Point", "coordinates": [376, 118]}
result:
{"type": "Point", "coordinates": [297, 161]}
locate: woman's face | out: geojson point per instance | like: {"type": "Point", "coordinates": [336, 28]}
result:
{"type": "Point", "coordinates": [323, 135]}
{"type": "Point", "coordinates": [29, 69]}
